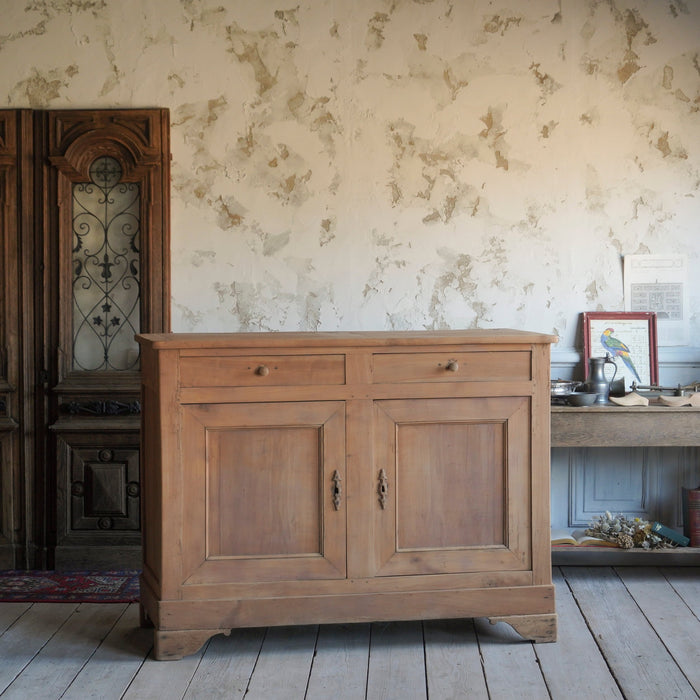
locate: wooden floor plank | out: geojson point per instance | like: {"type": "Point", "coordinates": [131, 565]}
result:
{"type": "Point", "coordinates": [113, 666]}
{"type": "Point", "coordinates": [510, 665]}
{"type": "Point", "coordinates": [632, 649]}
{"type": "Point", "coordinates": [668, 614]}
{"type": "Point", "coordinates": [639, 627]}
{"type": "Point", "coordinates": [227, 665]}
{"type": "Point", "coordinates": [339, 668]}
{"type": "Point", "coordinates": [284, 665]}
{"type": "Point", "coordinates": [53, 669]}
{"type": "Point", "coordinates": [22, 642]}
{"type": "Point", "coordinates": [686, 582]}
{"type": "Point", "coordinates": [396, 662]}
{"type": "Point", "coordinates": [10, 613]}
{"type": "Point", "coordinates": [453, 661]}
{"type": "Point", "coordinates": [158, 680]}
{"type": "Point", "coordinates": [573, 666]}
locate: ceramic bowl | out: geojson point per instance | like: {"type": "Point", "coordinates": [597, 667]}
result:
{"type": "Point", "coordinates": [581, 398]}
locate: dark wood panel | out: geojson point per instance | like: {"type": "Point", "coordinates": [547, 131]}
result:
{"type": "Point", "coordinates": [17, 373]}
{"type": "Point", "coordinates": [42, 155]}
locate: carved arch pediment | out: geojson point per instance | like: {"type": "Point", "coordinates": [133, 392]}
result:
{"type": "Point", "coordinates": [77, 139]}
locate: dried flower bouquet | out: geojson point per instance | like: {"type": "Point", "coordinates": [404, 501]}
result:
{"type": "Point", "coordinates": [626, 532]}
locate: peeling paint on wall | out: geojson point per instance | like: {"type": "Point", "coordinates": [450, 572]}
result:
{"type": "Point", "coordinates": [395, 163]}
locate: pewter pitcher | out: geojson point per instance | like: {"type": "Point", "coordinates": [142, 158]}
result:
{"type": "Point", "coordinates": [597, 382]}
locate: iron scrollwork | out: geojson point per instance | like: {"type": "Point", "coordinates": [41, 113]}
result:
{"type": "Point", "coordinates": [106, 274]}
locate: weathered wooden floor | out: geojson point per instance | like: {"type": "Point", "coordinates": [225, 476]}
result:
{"type": "Point", "coordinates": [623, 633]}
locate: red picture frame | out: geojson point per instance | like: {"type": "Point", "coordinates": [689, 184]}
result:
{"type": "Point", "coordinates": [629, 337]}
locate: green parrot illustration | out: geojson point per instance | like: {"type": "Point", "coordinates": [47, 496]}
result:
{"type": "Point", "coordinates": [618, 349]}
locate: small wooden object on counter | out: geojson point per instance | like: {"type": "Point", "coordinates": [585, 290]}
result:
{"type": "Point", "coordinates": [296, 478]}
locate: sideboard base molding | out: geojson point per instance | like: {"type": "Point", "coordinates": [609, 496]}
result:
{"type": "Point", "coordinates": [184, 626]}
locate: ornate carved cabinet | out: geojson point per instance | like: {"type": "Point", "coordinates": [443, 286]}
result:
{"type": "Point", "coordinates": [310, 478]}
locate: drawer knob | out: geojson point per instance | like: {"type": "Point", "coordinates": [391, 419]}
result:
{"type": "Point", "coordinates": [262, 370]}
{"type": "Point", "coordinates": [452, 366]}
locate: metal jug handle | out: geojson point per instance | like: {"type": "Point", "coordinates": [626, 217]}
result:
{"type": "Point", "coordinates": [609, 360]}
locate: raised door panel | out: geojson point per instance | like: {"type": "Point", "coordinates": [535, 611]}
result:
{"type": "Point", "coordinates": [263, 492]}
{"type": "Point", "coordinates": [453, 485]}
{"type": "Point", "coordinates": [616, 479]}
{"type": "Point", "coordinates": [11, 525]}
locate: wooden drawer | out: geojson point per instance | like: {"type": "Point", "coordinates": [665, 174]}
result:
{"type": "Point", "coordinates": [452, 367]}
{"type": "Point", "coordinates": [262, 370]}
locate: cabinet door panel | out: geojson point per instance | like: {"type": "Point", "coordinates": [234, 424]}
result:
{"type": "Point", "coordinates": [272, 486]}
{"type": "Point", "coordinates": [259, 482]}
{"type": "Point", "coordinates": [449, 488]}
{"type": "Point", "coordinates": [456, 487]}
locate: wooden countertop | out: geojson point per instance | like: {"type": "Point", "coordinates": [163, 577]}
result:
{"type": "Point", "coordinates": [625, 426]}
{"type": "Point", "coordinates": [339, 338]}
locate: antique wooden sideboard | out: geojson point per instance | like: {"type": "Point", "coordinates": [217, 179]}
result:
{"type": "Point", "coordinates": [293, 478]}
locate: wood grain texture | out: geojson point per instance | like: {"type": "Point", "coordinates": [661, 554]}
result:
{"type": "Point", "coordinates": [116, 660]}
{"type": "Point", "coordinates": [484, 366]}
{"type": "Point", "coordinates": [510, 665]}
{"type": "Point", "coordinates": [340, 663]}
{"type": "Point", "coordinates": [668, 613]}
{"type": "Point", "coordinates": [246, 465]}
{"type": "Point", "coordinates": [453, 660]}
{"type": "Point", "coordinates": [227, 666]}
{"type": "Point", "coordinates": [575, 660]}
{"type": "Point", "coordinates": [630, 426]}
{"type": "Point", "coordinates": [396, 661]}
{"type": "Point", "coordinates": [285, 663]}
{"type": "Point", "coordinates": [59, 661]}
{"type": "Point", "coordinates": [21, 642]}
{"type": "Point", "coordinates": [642, 666]}
{"type": "Point", "coordinates": [459, 658]}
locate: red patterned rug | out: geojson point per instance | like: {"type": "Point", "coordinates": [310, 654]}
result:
{"type": "Point", "coordinates": [69, 586]}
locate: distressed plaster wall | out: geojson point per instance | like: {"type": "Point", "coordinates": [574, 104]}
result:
{"type": "Point", "coordinates": [394, 164]}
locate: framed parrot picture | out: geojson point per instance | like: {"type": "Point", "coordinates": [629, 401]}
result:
{"type": "Point", "coordinates": [629, 338]}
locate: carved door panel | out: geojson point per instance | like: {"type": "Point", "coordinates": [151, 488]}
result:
{"type": "Point", "coordinates": [16, 265]}
{"type": "Point", "coordinates": [104, 236]}
{"type": "Point", "coordinates": [84, 259]}
{"type": "Point", "coordinates": [451, 474]}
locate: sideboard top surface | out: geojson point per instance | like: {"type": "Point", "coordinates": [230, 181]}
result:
{"type": "Point", "coordinates": [341, 338]}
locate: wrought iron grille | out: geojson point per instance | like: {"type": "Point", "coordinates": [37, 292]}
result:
{"type": "Point", "coordinates": [106, 270]}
